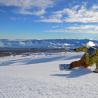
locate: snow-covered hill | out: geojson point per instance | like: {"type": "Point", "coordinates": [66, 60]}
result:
{"type": "Point", "coordinates": [38, 76]}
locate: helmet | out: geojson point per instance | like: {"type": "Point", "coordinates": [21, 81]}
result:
{"type": "Point", "coordinates": [90, 44]}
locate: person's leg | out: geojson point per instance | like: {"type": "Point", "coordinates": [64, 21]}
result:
{"type": "Point", "coordinates": [84, 61]}
{"type": "Point", "coordinates": [84, 64]}
{"type": "Point", "coordinates": [75, 64]}
{"type": "Point", "coordinates": [78, 64]}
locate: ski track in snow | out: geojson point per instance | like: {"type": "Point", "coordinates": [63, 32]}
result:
{"type": "Point", "coordinates": [43, 79]}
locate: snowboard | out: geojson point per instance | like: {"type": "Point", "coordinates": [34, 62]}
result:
{"type": "Point", "coordinates": [64, 67]}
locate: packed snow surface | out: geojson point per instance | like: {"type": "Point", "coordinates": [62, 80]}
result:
{"type": "Point", "coordinates": [38, 76]}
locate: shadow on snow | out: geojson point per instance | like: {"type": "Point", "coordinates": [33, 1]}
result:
{"type": "Point", "coordinates": [74, 73]}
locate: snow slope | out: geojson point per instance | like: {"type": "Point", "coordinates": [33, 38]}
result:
{"type": "Point", "coordinates": [38, 76]}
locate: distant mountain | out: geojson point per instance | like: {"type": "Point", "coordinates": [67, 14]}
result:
{"type": "Point", "coordinates": [43, 44]}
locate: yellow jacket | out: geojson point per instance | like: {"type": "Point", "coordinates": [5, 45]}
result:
{"type": "Point", "coordinates": [90, 60]}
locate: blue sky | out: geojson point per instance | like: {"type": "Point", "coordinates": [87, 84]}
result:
{"type": "Point", "coordinates": [48, 19]}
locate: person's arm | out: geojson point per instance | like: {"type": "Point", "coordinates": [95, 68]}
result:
{"type": "Point", "coordinates": [82, 49]}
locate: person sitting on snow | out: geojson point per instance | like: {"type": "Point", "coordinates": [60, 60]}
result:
{"type": "Point", "coordinates": [89, 58]}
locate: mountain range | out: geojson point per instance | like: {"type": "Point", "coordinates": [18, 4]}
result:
{"type": "Point", "coordinates": [44, 44]}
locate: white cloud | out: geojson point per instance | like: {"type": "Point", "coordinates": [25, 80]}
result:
{"type": "Point", "coordinates": [51, 20]}
{"type": "Point", "coordinates": [29, 12]}
{"type": "Point", "coordinates": [27, 3]}
{"type": "Point", "coordinates": [25, 6]}
{"type": "Point", "coordinates": [55, 26]}
{"type": "Point", "coordinates": [54, 18]}
{"type": "Point", "coordinates": [82, 15]}
{"type": "Point", "coordinates": [75, 14]}
{"type": "Point", "coordinates": [84, 29]}
{"type": "Point", "coordinates": [77, 29]}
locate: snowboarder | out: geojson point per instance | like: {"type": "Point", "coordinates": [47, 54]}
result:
{"type": "Point", "coordinates": [89, 58]}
